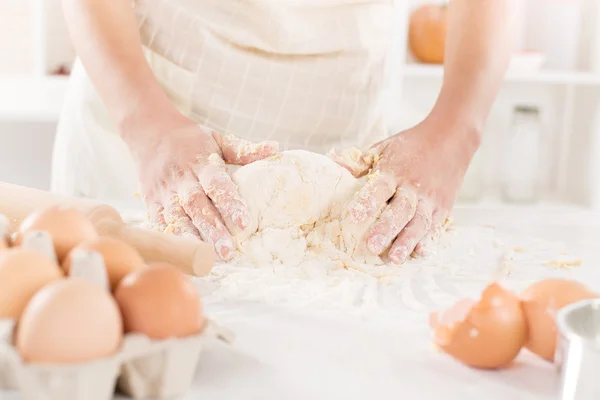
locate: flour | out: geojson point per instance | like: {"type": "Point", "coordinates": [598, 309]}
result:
{"type": "Point", "coordinates": [297, 254]}
{"type": "Point", "coordinates": [298, 201]}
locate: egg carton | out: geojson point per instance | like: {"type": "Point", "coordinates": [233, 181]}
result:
{"type": "Point", "coordinates": [143, 368]}
{"type": "Point", "coordinates": [8, 378]}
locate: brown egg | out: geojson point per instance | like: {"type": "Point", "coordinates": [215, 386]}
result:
{"type": "Point", "coordinates": [67, 226]}
{"type": "Point", "coordinates": [69, 321]}
{"type": "Point", "coordinates": [5, 232]}
{"type": "Point", "coordinates": [120, 258]}
{"type": "Point", "coordinates": [160, 302]}
{"type": "Point", "coordinates": [22, 273]}
{"type": "Point", "coordinates": [485, 334]}
{"type": "Point", "coordinates": [540, 302]}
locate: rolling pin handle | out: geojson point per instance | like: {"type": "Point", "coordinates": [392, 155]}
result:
{"type": "Point", "coordinates": [193, 257]}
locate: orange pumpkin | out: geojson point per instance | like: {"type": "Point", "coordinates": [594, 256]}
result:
{"type": "Point", "coordinates": [427, 32]}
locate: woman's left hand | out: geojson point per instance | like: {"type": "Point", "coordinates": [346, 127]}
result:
{"type": "Point", "coordinates": [413, 178]}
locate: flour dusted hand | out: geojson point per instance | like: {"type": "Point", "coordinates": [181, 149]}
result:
{"type": "Point", "coordinates": [412, 181]}
{"type": "Point", "coordinates": [185, 184]}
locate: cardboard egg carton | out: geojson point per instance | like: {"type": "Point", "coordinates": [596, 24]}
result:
{"type": "Point", "coordinates": [142, 368]}
{"type": "Point", "coordinates": [8, 379]}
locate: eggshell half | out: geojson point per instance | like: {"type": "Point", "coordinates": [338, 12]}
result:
{"type": "Point", "coordinates": [69, 321]}
{"type": "Point", "coordinates": [22, 273]}
{"type": "Point", "coordinates": [541, 301]}
{"type": "Point", "coordinates": [487, 334]}
{"type": "Point", "coordinates": [119, 257]}
{"type": "Point", "coordinates": [67, 226]}
{"type": "Point", "coordinates": [160, 302]}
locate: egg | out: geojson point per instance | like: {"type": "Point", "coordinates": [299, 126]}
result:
{"type": "Point", "coordinates": [119, 257]}
{"type": "Point", "coordinates": [160, 302]}
{"type": "Point", "coordinates": [67, 226]}
{"type": "Point", "coordinates": [488, 333]}
{"type": "Point", "coordinates": [541, 301]}
{"type": "Point", "coordinates": [4, 232]}
{"type": "Point", "coordinates": [69, 321]}
{"type": "Point", "coordinates": [22, 273]}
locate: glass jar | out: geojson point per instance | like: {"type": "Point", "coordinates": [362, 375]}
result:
{"type": "Point", "coordinates": [521, 175]}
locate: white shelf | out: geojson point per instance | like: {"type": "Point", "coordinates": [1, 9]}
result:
{"type": "Point", "coordinates": [32, 98]}
{"type": "Point", "coordinates": [545, 77]}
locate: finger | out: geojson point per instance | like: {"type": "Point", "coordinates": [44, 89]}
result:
{"type": "Point", "coordinates": [155, 216]}
{"type": "Point", "coordinates": [414, 231]}
{"type": "Point", "coordinates": [241, 152]}
{"type": "Point", "coordinates": [219, 187]}
{"type": "Point", "coordinates": [207, 220]}
{"type": "Point", "coordinates": [398, 213]}
{"type": "Point", "coordinates": [371, 198]}
{"type": "Point", "coordinates": [354, 160]}
{"type": "Point", "coordinates": [425, 247]}
{"type": "Point", "coordinates": [176, 219]}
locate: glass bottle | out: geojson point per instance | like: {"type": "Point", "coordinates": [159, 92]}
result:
{"type": "Point", "coordinates": [521, 173]}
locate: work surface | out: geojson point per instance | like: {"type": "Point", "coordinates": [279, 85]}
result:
{"type": "Point", "coordinates": [315, 353]}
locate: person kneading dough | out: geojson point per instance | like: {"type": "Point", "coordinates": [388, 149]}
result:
{"type": "Point", "coordinates": [165, 93]}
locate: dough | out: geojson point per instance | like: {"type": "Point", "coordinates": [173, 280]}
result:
{"type": "Point", "coordinates": [297, 201]}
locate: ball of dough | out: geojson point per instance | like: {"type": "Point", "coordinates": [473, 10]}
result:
{"type": "Point", "coordinates": [302, 194]}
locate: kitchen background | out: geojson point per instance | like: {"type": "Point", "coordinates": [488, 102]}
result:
{"type": "Point", "coordinates": [542, 140]}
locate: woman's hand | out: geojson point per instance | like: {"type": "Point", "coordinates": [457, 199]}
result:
{"type": "Point", "coordinates": [185, 185]}
{"type": "Point", "coordinates": [417, 173]}
{"type": "Point", "coordinates": [181, 165]}
{"type": "Point", "coordinates": [413, 178]}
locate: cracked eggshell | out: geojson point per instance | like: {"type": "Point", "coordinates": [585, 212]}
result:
{"type": "Point", "coordinates": [22, 273]}
{"type": "Point", "coordinates": [541, 301]}
{"type": "Point", "coordinates": [488, 333]}
{"type": "Point", "coordinates": [69, 321]}
{"type": "Point", "coordinates": [160, 302]}
{"type": "Point", "coordinates": [67, 226]}
{"type": "Point", "coordinates": [119, 257]}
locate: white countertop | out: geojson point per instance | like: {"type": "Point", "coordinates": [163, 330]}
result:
{"type": "Point", "coordinates": [304, 353]}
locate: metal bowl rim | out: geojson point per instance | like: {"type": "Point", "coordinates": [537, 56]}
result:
{"type": "Point", "coordinates": [565, 329]}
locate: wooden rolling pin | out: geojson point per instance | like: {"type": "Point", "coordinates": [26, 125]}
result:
{"type": "Point", "coordinates": [192, 256]}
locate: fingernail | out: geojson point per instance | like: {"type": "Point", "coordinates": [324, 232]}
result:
{"type": "Point", "coordinates": [423, 251]}
{"type": "Point", "coordinates": [375, 243]}
{"type": "Point", "coordinates": [398, 255]}
{"type": "Point", "coordinates": [241, 219]}
{"type": "Point", "coordinates": [224, 249]}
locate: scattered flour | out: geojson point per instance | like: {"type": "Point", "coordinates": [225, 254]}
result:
{"type": "Point", "coordinates": [297, 254]}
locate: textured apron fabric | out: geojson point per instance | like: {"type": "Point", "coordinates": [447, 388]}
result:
{"type": "Point", "coordinates": [311, 74]}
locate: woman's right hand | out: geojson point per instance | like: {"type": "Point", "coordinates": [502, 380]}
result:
{"type": "Point", "coordinates": [185, 185]}
{"type": "Point", "coordinates": [181, 165]}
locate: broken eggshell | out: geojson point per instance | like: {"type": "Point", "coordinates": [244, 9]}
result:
{"type": "Point", "coordinates": [488, 333]}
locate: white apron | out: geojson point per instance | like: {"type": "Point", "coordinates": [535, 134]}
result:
{"type": "Point", "coordinates": [312, 74]}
